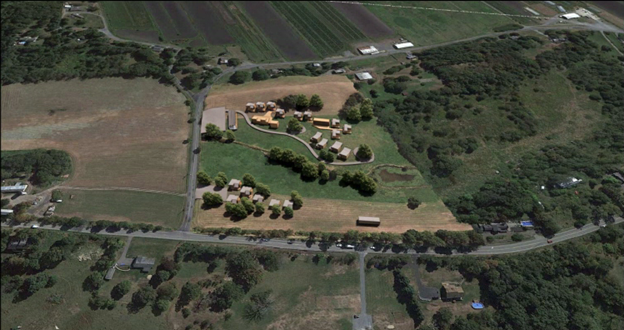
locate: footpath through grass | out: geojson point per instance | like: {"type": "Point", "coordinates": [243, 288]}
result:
{"type": "Point", "coordinates": [119, 205]}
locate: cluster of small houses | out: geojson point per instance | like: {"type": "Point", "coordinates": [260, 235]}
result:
{"type": "Point", "coordinates": [245, 191]}
{"type": "Point", "coordinates": [320, 143]}
{"type": "Point", "coordinates": [270, 112]}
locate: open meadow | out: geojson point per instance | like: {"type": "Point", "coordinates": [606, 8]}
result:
{"type": "Point", "coordinates": [119, 133]}
{"type": "Point", "coordinates": [333, 90]}
{"type": "Point", "coordinates": [119, 205]}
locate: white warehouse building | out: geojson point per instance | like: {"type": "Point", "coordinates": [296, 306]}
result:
{"type": "Point", "coordinates": [570, 16]}
{"type": "Point", "coordinates": [403, 45]}
{"type": "Point", "coordinates": [20, 188]}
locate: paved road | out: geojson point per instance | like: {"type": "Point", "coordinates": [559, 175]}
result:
{"type": "Point", "coordinates": [363, 321]}
{"type": "Point", "coordinates": [536, 243]}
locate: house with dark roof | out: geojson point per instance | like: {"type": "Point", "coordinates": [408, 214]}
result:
{"type": "Point", "coordinates": [143, 263]}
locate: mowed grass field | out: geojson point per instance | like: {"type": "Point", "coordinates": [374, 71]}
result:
{"type": "Point", "coordinates": [427, 27]}
{"type": "Point", "coordinates": [119, 205]}
{"type": "Point", "coordinates": [333, 90]}
{"type": "Point", "coordinates": [382, 301]}
{"type": "Point", "coordinates": [120, 133]}
{"type": "Point", "coordinates": [73, 312]}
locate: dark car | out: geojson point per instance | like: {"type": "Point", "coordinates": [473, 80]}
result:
{"type": "Point", "coordinates": [549, 241]}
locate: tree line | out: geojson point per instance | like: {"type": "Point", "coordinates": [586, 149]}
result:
{"type": "Point", "coordinates": [40, 166]}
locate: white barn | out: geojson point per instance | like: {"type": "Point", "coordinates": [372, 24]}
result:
{"type": "Point", "coordinates": [570, 16]}
{"type": "Point", "coordinates": [403, 45]}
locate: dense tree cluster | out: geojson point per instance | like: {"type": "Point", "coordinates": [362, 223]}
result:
{"type": "Point", "coordinates": [41, 166]}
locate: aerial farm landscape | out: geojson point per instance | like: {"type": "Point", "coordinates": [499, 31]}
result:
{"type": "Point", "coordinates": [433, 165]}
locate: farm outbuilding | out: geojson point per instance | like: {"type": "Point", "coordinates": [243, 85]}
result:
{"type": "Point", "coordinates": [258, 198]}
{"type": "Point", "coordinates": [403, 45]}
{"type": "Point", "coordinates": [451, 291]}
{"type": "Point", "coordinates": [570, 16]}
{"type": "Point", "coordinates": [335, 135]}
{"type": "Point", "coordinates": [368, 50]}
{"type": "Point", "coordinates": [298, 115]}
{"type": "Point", "coordinates": [363, 76]}
{"type": "Point", "coordinates": [336, 147]}
{"type": "Point", "coordinates": [344, 154]}
{"type": "Point", "coordinates": [346, 129]}
{"type": "Point", "coordinates": [7, 211]}
{"type": "Point", "coordinates": [246, 191]}
{"type": "Point", "coordinates": [335, 123]}
{"type": "Point", "coordinates": [232, 199]}
{"type": "Point", "coordinates": [316, 137]}
{"type": "Point", "coordinates": [270, 105]}
{"type": "Point", "coordinates": [322, 144]}
{"type": "Point", "coordinates": [280, 113]}
{"type": "Point", "coordinates": [307, 115]}
{"type": "Point", "coordinates": [145, 264]}
{"type": "Point", "coordinates": [561, 9]}
{"type": "Point", "coordinates": [287, 203]}
{"type": "Point", "coordinates": [274, 202]}
{"type": "Point", "coordinates": [234, 184]}
{"type": "Point", "coordinates": [368, 221]}
{"type": "Point", "coordinates": [20, 188]}
{"type": "Point", "coordinates": [250, 107]}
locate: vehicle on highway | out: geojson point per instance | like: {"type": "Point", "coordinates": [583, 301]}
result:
{"type": "Point", "coordinates": [290, 241]}
{"type": "Point", "coordinates": [549, 241]}
{"type": "Point", "coordinates": [338, 244]}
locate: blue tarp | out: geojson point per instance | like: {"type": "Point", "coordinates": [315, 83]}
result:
{"type": "Point", "coordinates": [477, 305]}
{"type": "Point", "coordinates": [526, 223]}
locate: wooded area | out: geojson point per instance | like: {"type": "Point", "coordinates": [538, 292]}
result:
{"type": "Point", "coordinates": [39, 166]}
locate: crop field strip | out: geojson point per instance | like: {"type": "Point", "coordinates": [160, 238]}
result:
{"type": "Point", "coordinates": [254, 43]}
{"type": "Point", "coordinates": [180, 20]}
{"type": "Point", "coordinates": [162, 19]}
{"type": "Point", "coordinates": [128, 15]}
{"type": "Point", "coordinates": [305, 20]}
{"type": "Point", "coordinates": [362, 18]}
{"type": "Point", "coordinates": [277, 29]}
{"type": "Point", "coordinates": [208, 21]}
{"type": "Point", "coordinates": [340, 23]}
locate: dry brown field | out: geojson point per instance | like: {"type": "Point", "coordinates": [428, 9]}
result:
{"type": "Point", "coordinates": [333, 90]}
{"type": "Point", "coordinates": [120, 133]}
{"type": "Point", "coordinates": [338, 216]}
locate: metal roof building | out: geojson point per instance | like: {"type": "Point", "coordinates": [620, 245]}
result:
{"type": "Point", "coordinates": [368, 50]}
{"type": "Point", "coordinates": [364, 76]}
{"type": "Point", "coordinates": [371, 221]}
{"type": "Point", "coordinates": [15, 188]}
{"type": "Point", "coordinates": [144, 263]}
{"type": "Point", "coordinates": [570, 16]}
{"type": "Point", "coordinates": [403, 45]}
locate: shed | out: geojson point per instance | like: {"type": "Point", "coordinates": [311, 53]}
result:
{"type": "Point", "coordinates": [561, 9]}
{"type": "Point", "coordinates": [322, 144]}
{"type": "Point", "coordinates": [298, 115]}
{"type": "Point", "coordinates": [363, 76]}
{"type": "Point", "coordinates": [7, 211]}
{"type": "Point", "coordinates": [270, 105]}
{"type": "Point", "coordinates": [232, 120]}
{"type": "Point", "coordinates": [368, 50]}
{"type": "Point", "coordinates": [570, 16]}
{"type": "Point", "coordinates": [232, 199]}
{"type": "Point", "coordinates": [145, 264]}
{"type": "Point", "coordinates": [14, 188]}
{"type": "Point", "coordinates": [336, 147]}
{"type": "Point", "coordinates": [335, 134]}
{"type": "Point", "coordinates": [280, 113]}
{"type": "Point", "coordinates": [337, 71]}
{"type": "Point", "coordinates": [320, 122]}
{"type": "Point", "coordinates": [234, 184]}
{"type": "Point", "coordinates": [346, 129]}
{"type": "Point", "coordinates": [335, 123]}
{"type": "Point", "coordinates": [368, 221]}
{"type": "Point", "coordinates": [403, 45]}
{"type": "Point", "coordinates": [287, 203]}
{"type": "Point", "coordinates": [257, 198]}
{"type": "Point", "coordinates": [246, 191]}
{"type": "Point", "coordinates": [250, 107]}
{"type": "Point", "coordinates": [17, 244]}
{"type": "Point", "coordinates": [307, 115]}
{"type": "Point", "coordinates": [260, 106]}
{"type": "Point", "coordinates": [344, 154]}
{"type": "Point", "coordinates": [110, 273]}
{"type": "Point", "coordinates": [317, 137]}
{"type": "Point", "coordinates": [274, 202]}
{"type": "Point", "coordinates": [451, 291]}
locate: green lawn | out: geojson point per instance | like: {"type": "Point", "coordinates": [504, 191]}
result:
{"type": "Point", "coordinates": [427, 27]}
{"type": "Point", "coordinates": [381, 300]}
{"type": "Point", "coordinates": [119, 205]}
{"type": "Point", "coordinates": [614, 37]}
{"type": "Point", "coordinates": [151, 247]}
{"type": "Point", "coordinates": [307, 296]}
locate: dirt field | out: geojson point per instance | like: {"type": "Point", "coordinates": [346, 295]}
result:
{"type": "Point", "coordinates": [120, 133]}
{"type": "Point", "coordinates": [333, 90]}
{"type": "Point", "coordinates": [208, 21]}
{"type": "Point", "coordinates": [366, 21]}
{"type": "Point", "coordinates": [545, 10]}
{"type": "Point", "coordinates": [340, 216]}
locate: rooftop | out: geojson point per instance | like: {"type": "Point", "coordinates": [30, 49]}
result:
{"type": "Point", "coordinates": [364, 76]}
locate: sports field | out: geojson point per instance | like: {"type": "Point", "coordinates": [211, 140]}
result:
{"type": "Point", "coordinates": [119, 133]}
{"type": "Point", "coordinates": [333, 90]}
{"type": "Point", "coordinates": [119, 205]}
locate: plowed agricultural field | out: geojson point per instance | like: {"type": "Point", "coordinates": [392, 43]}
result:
{"type": "Point", "coordinates": [366, 21]}
{"type": "Point", "coordinates": [120, 133]}
{"type": "Point", "coordinates": [340, 216]}
{"type": "Point", "coordinates": [208, 21]}
{"type": "Point", "coordinates": [333, 90]}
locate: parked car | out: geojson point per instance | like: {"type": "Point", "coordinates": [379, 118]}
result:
{"type": "Point", "coordinates": [549, 241]}
{"type": "Point", "coordinates": [34, 226]}
{"type": "Point", "coordinates": [349, 246]}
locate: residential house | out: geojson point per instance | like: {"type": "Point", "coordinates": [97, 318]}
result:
{"type": "Point", "coordinates": [335, 123]}
{"type": "Point", "coordinates": [316, 138]}
{"type": "Point", "coordinates": [280, 113]}
{"type": "Point", "coordinates": [232, 199]}
{"type": "Point", "coordinates": [287, 203]}
{"type": "Point", "coordinates": [274, 202]}
{"type": "Point", "coordinates": [451, 291]}
{"type": "Point", "coordinates": [145, 264]}
{"type": "Point", "coordinates": [257, 198]}
{"type": "Point", "coordinates": [344, 154]}
{"type": "Point", "coordinates": [234, 184]}
{"type": "Point", "coordinates": [246, 191]}
{"type": "Point", "coordinates": [336, 147]}
{"type": "Point", "coordinates": [322, 144]}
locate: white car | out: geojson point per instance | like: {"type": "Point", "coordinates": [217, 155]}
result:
{"type": "Point", "coordinates": [339, 244]}
{"type": "Point", "coordinates": [349, 246]}
{"type": "Point", "coordinates": [34, 226]}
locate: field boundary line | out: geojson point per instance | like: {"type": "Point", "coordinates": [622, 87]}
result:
{"type": "Point", "coordinates": [437, 9]}
{"type": "Point", "coordinates": [121, 188]}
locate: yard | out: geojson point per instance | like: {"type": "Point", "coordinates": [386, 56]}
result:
{"type": "Point", "coordinates": [119, 133]}
{"type": "Point", "coordinates": [382, 301]}
{"type": "Point", "coordinates": [119, 205]}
